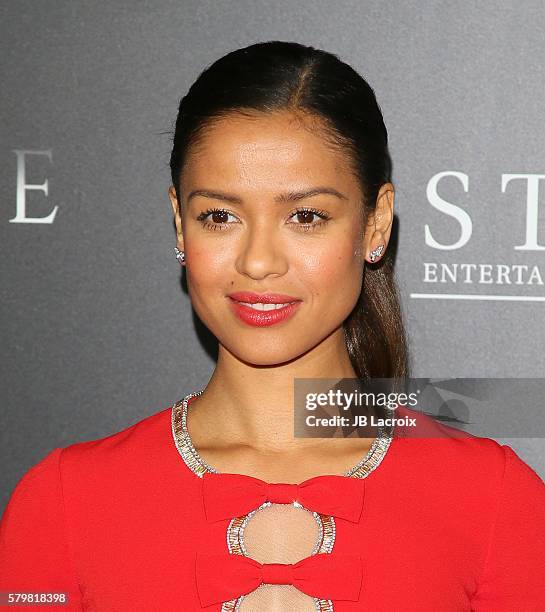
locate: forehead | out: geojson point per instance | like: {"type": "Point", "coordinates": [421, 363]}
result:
{"type": "Point", "coordinates": [266, 150]}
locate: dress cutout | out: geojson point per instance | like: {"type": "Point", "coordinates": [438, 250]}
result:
{"type": "Point", "coordinates": [274, 532]}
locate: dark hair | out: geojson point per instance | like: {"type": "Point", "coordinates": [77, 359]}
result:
{"type": "Point", "coordinates": [278, 75]}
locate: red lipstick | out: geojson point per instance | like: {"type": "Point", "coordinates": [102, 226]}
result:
{"type": "Point", "coordinates": [262, 317]}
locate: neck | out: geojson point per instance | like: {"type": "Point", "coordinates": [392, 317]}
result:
{"type": "Point", "coordinates": [253, 405]}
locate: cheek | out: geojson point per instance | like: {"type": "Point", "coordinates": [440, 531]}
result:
{"type": "Point", "coordinates": [333, 271]}
{"type": "Point", "coordinates": [206, 268]}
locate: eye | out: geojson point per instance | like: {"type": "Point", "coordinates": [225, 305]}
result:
{"type": "Point", "coordinates": [305, 217]}
{"type": "Point", "coordinates": [218, 219]}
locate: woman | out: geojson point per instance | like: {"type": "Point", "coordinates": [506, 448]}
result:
{"type": "Point", "coordinates": [283, 207]}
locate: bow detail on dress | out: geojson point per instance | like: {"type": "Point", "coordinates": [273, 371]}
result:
{"type": "Point", "coordinates": [222, 577]}
{"type": "Point", "coordinates": [229, 495]}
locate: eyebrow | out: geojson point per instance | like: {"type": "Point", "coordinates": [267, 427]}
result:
{"type": "Point", "coordinates": [290, 196]}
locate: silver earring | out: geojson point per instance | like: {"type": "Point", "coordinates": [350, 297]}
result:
{"type": "Point", "coordinates": [180, 256]}
{"type": "Point", "coordinates": [376, 253]}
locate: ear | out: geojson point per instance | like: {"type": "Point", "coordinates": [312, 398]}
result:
{"type": "Point", "coordinates": [177, 210]}
{"type": "Point", "coordinates": [379, 222]}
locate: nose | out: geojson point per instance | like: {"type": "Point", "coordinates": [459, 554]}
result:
{"type": "Point", "coordinates": [261, 253]}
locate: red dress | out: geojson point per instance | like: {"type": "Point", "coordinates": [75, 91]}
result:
{"type": "Point", "coordinates": [126, 522]}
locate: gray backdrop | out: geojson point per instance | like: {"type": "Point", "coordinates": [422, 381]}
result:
{"type": "Point", "coordinates": [98, 332]}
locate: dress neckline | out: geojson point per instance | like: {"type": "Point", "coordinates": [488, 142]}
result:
{"type": "Point", "coordinates": [199, 466]}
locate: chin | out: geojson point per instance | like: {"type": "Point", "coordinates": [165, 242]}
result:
{"type": "Point", "coordinates": [266, 353]}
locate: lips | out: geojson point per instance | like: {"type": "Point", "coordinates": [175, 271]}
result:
{"type": "Point", "coordinates": [264, 298]}
{"type": "Point", "coordinates": [273, 307]}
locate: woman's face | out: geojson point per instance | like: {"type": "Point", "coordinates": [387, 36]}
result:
{"type": "Point", "coordinates": [261, 239]}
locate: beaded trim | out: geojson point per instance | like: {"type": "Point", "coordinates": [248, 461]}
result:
{"type": "Point", "coordinates": [235, 531]}
{"type": "Point", "coordinates": [199, 466]}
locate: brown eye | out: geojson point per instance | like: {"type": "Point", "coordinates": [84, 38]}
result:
{"type": "Point", "coordinates": [305, 216]}
{"type": "Point", "coordinates": [215, 219]}
{"type": "Point", "coordinates": [219, 216]}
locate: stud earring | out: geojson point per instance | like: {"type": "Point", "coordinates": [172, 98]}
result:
{"type": "Point", "coordinates": [180, 256]}
{"type": "Point", "coordinates": [376, 253]}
